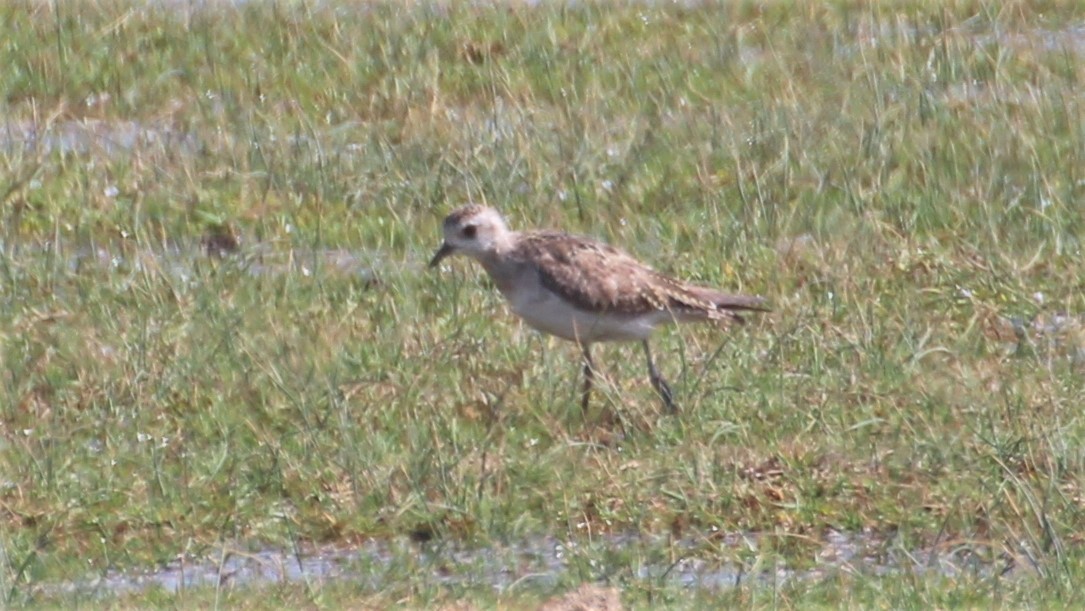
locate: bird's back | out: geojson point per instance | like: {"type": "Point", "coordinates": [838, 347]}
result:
{"type": "Point", "coordinates": [597, 277]}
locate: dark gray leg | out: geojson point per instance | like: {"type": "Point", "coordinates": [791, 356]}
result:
{"type": "Point", "coordinates": [658, 382]}
{"type": "Point", "coordinates": [589, 372]}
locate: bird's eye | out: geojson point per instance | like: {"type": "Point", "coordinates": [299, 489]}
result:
{"type": "Point", "coordinates": [469, 232]}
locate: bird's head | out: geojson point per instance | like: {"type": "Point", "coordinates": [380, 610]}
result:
{"type": "Point", "coordinates": [474, 230]}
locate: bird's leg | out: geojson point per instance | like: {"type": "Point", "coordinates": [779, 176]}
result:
{"type": "Point", "coordinates": [589, 372]}
{"type": "Point", "coordinates": [658, 382]}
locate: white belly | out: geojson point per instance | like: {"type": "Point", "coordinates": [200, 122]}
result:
{"type": "Point", "coordinates": [548, 313]}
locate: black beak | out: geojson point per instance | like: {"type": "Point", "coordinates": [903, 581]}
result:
{"type": "Point", "coordinates": [442, 252]}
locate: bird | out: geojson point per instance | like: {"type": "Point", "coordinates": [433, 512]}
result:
{"type": "Point", "coordinates": [584, 290]}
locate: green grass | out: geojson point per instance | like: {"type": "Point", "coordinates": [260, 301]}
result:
{"type": "Point", "coordinates": [900, 179]}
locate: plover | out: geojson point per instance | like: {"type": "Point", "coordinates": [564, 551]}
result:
{"type": "Point", "coordinates": [584, 290]}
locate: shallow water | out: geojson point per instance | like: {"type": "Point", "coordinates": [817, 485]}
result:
{"type": "Point", "coordinates": [104, 137]}
{"type": "Point", "coordinates": [181, 261]}
{"type": "Point", "coordinates": [540, 562]}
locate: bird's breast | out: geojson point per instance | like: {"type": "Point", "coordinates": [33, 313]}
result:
{"type": "Point", "coordinates": [549, 313]}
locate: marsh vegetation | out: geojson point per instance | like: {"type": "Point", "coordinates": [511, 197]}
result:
{"type": "Point", "coordinates": [188, 366]}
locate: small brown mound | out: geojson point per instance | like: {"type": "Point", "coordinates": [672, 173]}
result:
{"type": "Point", "coordinates": [220, 240]}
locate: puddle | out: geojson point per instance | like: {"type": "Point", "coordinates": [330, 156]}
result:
{"type": "Point", "coordinates": [1069, 39]}
{"type": "Point", "coordinates": [115, 138]}
{"type": "Point", "coordinates": [109, 137]}
{"type": "Point", "coordinates": [540, 562]}
{"type": "Point", "coordinates": [1056, 334]}
{"type": "Point", "coordinates": [182, 261]}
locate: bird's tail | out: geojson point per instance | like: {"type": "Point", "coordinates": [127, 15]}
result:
{"type": "Point", "coordinates": [727, 306]}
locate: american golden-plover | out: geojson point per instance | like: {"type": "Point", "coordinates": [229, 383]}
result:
{"type": "Point", "coordinates": [584, 290]}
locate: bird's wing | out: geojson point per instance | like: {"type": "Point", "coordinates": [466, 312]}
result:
{"type": "Point", "coordinates": [598, 277]}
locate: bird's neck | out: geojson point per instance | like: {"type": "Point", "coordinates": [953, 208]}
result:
{"type": "Point", "coordinates": [504, 242]}
{"type": "Point", "coordinates": [501, 263]}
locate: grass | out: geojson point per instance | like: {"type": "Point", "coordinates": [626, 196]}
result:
{"type": "Point", "coordinates": [902, 180]}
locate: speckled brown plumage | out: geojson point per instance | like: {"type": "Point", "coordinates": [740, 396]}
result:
{"type": "Point", "coordinates": [598, 277]}
{"type": "Point", "coordinates": [457, 216]}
